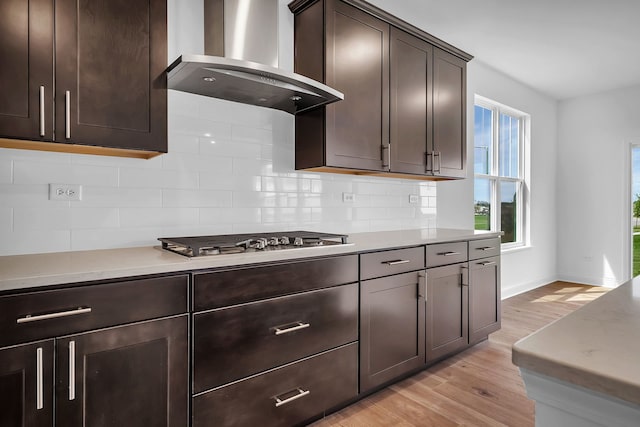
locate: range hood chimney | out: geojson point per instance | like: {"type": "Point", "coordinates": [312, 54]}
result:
{"type": "Point", "coordinates": [241, 61]}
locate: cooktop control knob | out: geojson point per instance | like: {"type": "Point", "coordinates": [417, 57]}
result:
{"type": "Point", "coordinates": [261, 243]}
{"type": "Point", "coordinates": [284, 240]}
{"type": "Point", "coordinates": [273, 241]}
{"type": "Point", "coordinates": [298, 241]}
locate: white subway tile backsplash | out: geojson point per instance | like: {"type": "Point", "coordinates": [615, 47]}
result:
{"type": "Point", "coordinates": [34, 241]}
{"type": "Point", "coordinates": [43, 173]}
{"type": "Point", "coordinates": [6, 171]}
{"type": "Point", "coordinates": [6, 220]}
{"type": "Point", "coordinates": [210, 216]}
{"type": "Point", "coordinates": [157, 217]}
{"type": "Point", "coordinates": [195, 198]}
{"type": "Point", "coordinates": [244, 182]}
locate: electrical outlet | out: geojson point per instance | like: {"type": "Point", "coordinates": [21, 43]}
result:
{"type": "Point", "coordinates": [67, 192]}
{"type": "Point", "coordinates": [413, 198]}
{"type": "Point", "coordinates": [348, 197]}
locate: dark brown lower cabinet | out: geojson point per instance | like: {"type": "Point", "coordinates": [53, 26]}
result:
{"type": "Point", "coordinates": [132, 375]}
{"type": "Point", "coordinates": [392, 327]}
{"type": "Point", "coordinates": [484, 298]}
{"type": "Point", "coordinates": [26, 385]}
{"type": "Point", "coordinates": [285, 396]}
{"type": "Point", "coordinates": [447, 310]}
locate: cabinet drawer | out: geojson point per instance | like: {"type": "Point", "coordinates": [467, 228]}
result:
{"type": "Point", "coordinates": [385, 263]}
{"type": "Point", "coordinates": [283, 397]}
{"type": "Point", "coordinates": [37, 315]}
{"type": "Point", "coordinates": [446, 253]}
{"type": "Point", "coordinates": [484, 248]}
{"type": "Point", "coordinates": [237, 286]}
{"type": "Point", "coordinates": [232, 343]}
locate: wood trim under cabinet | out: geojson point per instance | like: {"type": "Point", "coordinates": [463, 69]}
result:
{"type": "Point", "coordinates": [76, 149]}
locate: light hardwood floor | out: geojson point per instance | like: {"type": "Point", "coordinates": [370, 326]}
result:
{"type": "Point", "coordinates": [478, 387]}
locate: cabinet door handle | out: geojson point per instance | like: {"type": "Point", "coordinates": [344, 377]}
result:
{"type": "Point", "coordinates": [39, 380]}
{"type": "Point", "coordinates": [485, 263]}
{"type": "Point", "coordinates": [427, 156]}
{"type": "Point", "coordinates": [396, 262]}
{"type": "Point", "coordinates": [386, 165]}
{"type": "Point", "coordinates": [67, 115]}
{"type": "Point", "coordinates": [42, 129]}
{"type": "Point", "coordinates": [29, 318]}
{"type": "Point", "coordinates": [72, 370]}
{"type": "Point", "coordinates": [449, 253]}
{"type": "Point", "coordinates": [301, 393]}
{"type": "Point", "coordinates": [422, 285]}
{"type": "Point", "coordinates": [464, 271]}
{"type": "Point", "coordinates": [439, 156]}
{"type": "Point", "coordinates": [298, 325]}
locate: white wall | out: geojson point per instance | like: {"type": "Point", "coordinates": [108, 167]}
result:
{"type": "Point", "coordinates": [593, 180]}
{"type": "Point", "coordinates": [245, 182]}
{"type": "Point", "coordinates": [526, 268]}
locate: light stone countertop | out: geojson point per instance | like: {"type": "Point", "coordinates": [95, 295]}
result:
{"type": "Point", "coordinates": [596, 347]}
{"type": "Point", "coordinates": [37, 270]}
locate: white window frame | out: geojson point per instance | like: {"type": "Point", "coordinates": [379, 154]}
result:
{"type": "Point", "coordinates": [522, 187]}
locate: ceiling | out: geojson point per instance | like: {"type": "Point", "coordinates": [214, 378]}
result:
{"type": "Point", "coordinates": [563, 48]}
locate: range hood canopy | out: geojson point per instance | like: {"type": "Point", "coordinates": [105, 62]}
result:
{"type": "Point", "coordinates": [245, 32]}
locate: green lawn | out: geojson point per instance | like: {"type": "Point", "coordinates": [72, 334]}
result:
{"type": "Point", "coordinates": [482, 222]}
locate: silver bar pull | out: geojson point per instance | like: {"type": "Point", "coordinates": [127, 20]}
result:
{"type": "Point", "coordinates": [484, 248]}
{"type": "Point", "coordinates": [42, 129]}
{"type": "Point", "coordinates": [39, 380]}
{"type": "Point", "coordinates": [485, 263]}
{"type": "Point", "coordinates": [298, 325]}
{"type": "Point", "coordinates": [437, 154]}
{"type": "Point", "coordinates": [464, 271]}
{"type": "Point", "coordinates": [396, 262]}
{"type": "Point", "coordinates": [427, 167]}
{"type": "Point", "coordinates": [72, 370]}
{"type": "Point", "coordinates": [30, 318]}
{"type": "Point", "coordinates": [449, 253]}
{"type": "Point", "coordinates": [67, 115]}
{"type": "Point", "coordinates": [386, 165]}
{"type": "Point", "coordinates": [301, 393]}
{"type": "Point", "coordinates": [422, 285]}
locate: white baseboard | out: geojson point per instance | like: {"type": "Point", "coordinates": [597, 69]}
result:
{"type": "Point", "coordinates": [524, 287]}
{"type": "Point", "coordinates": [607, 282]}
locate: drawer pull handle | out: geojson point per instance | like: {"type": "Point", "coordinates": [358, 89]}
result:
{"type": "Point", "coordinates": [72, 370]}
{"type": "Point", "coordinates": [298, 325]}
{"type": "Point", "coordinates": [449, 253]}
{"type": "Point", "coordinates": [39, 380]}
{"type": "Point", "coordinates": [485, 248]}
{"type": "Point", "coordinates": [485, 263]}
{"type": "Point", "coordinates": [301, 393]}
{"type": "Point", "coordinates": [30, 318]}
{"type": "Point", "coordinates": [42, 129]}
{"type": "Point", "coordinates": [397, 262]}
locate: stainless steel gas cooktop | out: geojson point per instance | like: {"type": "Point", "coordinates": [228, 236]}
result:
{"type": "Point", "coordinates": [195, 246]}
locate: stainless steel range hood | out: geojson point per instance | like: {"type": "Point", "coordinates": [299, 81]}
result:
{"type": "Point", "coordinates": [241, 61]}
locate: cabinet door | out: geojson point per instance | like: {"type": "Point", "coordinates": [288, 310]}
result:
{"type": "Point", "coordinates": [484, 298]}
{"type": "Point", "coordinates": [391, 328]}
{"type": "Point", "coordinates": [449, 115]}
{"type": "Point", "coordinates": [110, 79]}
{"type": "Point", "coordinates": [26, 385]}
{"type": "Point", "coordinates": [410, 98]}
{"type": "Point", "coordinates": [357, 62]}
{"type": "Point", "coordinates": [447, 310]}
{"type": "Point", "coordinates": [26, 55]}
{"type": "Point", "coordinates": [134, 375]}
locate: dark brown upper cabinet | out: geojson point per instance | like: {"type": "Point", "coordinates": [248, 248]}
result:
{"type": "Point", "coordinates": [109, 95]}
{"type": "Point", "coordinates": [404, 108]}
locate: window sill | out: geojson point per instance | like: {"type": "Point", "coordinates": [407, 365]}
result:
{"type": "Point", "coordinates": [514, 249]}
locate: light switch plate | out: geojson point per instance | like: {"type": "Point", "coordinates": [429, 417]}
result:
{"type": "Point", "coordinates": [348, 197]}
{"type": "Point", "coordinates": [413, 198]}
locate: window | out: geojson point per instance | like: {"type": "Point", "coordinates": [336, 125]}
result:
{"type": "Point", "coordinates": [500, 190]}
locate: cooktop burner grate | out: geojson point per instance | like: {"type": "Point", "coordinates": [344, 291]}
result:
{"type": "Point", "coordinates": [195, 246]}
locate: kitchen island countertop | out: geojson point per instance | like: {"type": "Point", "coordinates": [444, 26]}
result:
{"type": "Point", "coordinates": [38, 270]}
{"type": "Point", "coordinates": [595, 347]}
